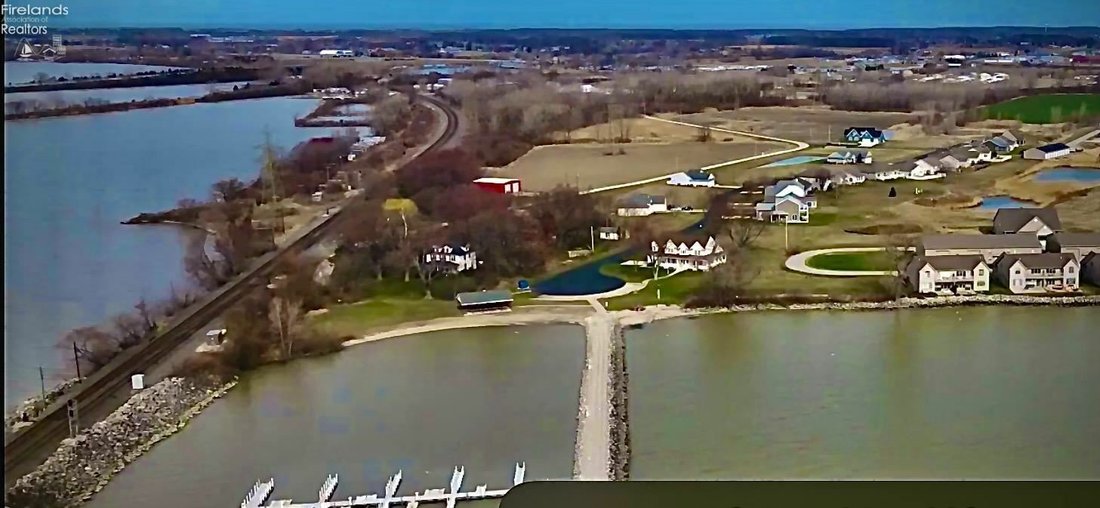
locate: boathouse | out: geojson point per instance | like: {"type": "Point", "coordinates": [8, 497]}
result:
{"type": "Point", "coordinates": [477, 301]}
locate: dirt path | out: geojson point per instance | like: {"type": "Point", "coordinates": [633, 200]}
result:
{"type": "Point", "coordinates": [798, 145]}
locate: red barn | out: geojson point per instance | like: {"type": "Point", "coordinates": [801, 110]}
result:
{"type": "Point", "coordinates": [498, 185]}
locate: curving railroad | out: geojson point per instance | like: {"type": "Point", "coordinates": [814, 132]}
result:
{"type": "Point", "coordinates": [107, 389]}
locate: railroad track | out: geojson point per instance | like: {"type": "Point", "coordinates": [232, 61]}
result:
{"type": "Point", "coordinates": [26, 449]}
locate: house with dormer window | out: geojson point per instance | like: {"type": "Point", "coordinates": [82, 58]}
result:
{"type": "Point", "coordinates": [686, 252]}
{"type": "Point", "coordinates": [451, 258]}
{"type": "Point", "coordinates": [864, 136]}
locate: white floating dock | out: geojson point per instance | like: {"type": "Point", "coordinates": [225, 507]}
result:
{"type": "Point", "coordinates": [450, 496]}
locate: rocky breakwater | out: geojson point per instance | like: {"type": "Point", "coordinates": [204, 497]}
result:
{"type": "Point", "coordinates": [620, 420]}
{"type": "Point", "coordinates": [83, 465]}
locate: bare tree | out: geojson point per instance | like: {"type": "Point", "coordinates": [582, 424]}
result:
{"type": "Point", "coordinates": [744, 232]}
{"type": "Point", "coordinates": [93, 347]}
{"type": "Point", "coordinates": [285, 314]}
{"type": "Point", "coordinates": [899, 252]}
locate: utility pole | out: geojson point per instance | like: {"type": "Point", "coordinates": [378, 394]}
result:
{"type": "Point", "coordinates": [786, 241]}
{"type": "Point", "coordinates": [76, 360]}
{"type": "Point", "coordinates": [42, 378]}
{"type": "Point", "coordinates": [592, 237]}
{"type": "Point", "coordinates": [74, 419]}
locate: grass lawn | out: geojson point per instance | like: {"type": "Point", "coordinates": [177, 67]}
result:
{"type": "Point", "coordinates": [674, 290]}
{"type": "Point", "coordinates": [1041, 109]}
{"type": "Point", "coordinates": [627, 273]}
{"type": "Point", "coordinates": [359, 318]}
{"type": "Point", "coordinates": [854, 261]}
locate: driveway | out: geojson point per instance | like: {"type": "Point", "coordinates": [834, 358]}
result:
{"type": "Point", "coordinates": [797, 263]}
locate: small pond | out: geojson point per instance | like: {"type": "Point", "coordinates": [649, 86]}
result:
{"type": "Point", "coordinates": [1069, 174]}
{"type": "Point", "coordinates": [586, 279]}
{"type": "Point", "coordinates": [801, 159]}
{"type": "Point", "coordinates": [995, 202]}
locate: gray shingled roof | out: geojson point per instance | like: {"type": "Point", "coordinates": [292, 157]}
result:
{"type": "Point", "coordinates": [641, 200]}
{"type": "Point", "coordinates": [1044, 260]}
{"type": "Point", "coordinates": [1009, 241]}
{"type": "Point", "coordinates": [484, 297]}
{"type": "Point", "coordinates": [1009, 220]}
{"type": "Point", "coordinates": [950, 262]}
{"type": "Point", "coordinates": [1077, 239]}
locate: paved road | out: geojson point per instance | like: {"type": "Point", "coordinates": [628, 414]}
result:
{"type": "Point", "coordinates": [797, 263]}
{"type": "Point", "coordinates": [593, 452]}
{"type": "Point", "coordinates": [798, 145]}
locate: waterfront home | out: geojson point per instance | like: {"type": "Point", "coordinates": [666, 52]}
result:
{"type": "Point", "coordinates": [1078, 244]}
{"type": "Point", "coordinates": [922, 170]}
{"type": "Point", "coordinates": [476, 301]}
{"type": "Point", "coordinates": [451, 258]}
{"type": "Point", "coordinates": [1047, 152]}
{"type": "Point", "coordinates": [1039, 273]}
{"type": "Point", "coordinates": [954, 274]}
{"type": "Point", "coordinates": [864, 136]}
{"type": "Point", "coordinates": [686, 252]}
{"type": "Point", "coordinates": [642, 205]}
{"type": "Point", "coordinates": [990, 247]}
{"type": "Point", "coordinates": [611, 233]}
{"type": "Point", "coordinates": [693, 178]}
{"type": "Point", "coordinates": [789, 209]}
{"type": "Point", "coordinates": [1041, 222]}
{"type": "Point", "coordinates": [1014, 137]}
{"type": "Point", "coordinates": [849, 157]}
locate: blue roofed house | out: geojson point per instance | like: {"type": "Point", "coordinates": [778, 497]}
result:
{"type": "Point", "coordinates": [865, 136]}
{"type": "Point", "coordinates": [693, 178]}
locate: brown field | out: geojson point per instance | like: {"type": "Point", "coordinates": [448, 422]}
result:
{"type": "Point", "coordinates": [814, 125]}
{"type": "Point", "coordinates": [586, 166]}
{"type": "Point", "coordinates": [645, 130]}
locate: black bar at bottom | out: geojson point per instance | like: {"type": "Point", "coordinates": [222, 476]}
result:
{"type": "Point", "coordinates": [805, 494]}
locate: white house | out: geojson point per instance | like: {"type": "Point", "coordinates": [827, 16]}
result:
{"type": "Point", "coordinates": [790, 209]}
{"type": "Point", "coordinates": [954, 274]}
{"type": "Point", "coordinates": [1047, 152]}
{"type": "Point", "coordinates": [1039, 273]}
{"type": "Point", "coordinates": [844, 177]}
{"type": "Point", "coordinates": [611, 233]}
{"type": "Point", "coordinates": [641, 205]}
{"type": "Point", "coordinates": [850, 157]}
{"type": "Point", "coordinates": [452, 257]}
{"type": "Point", "coordinates": [885, 172]}
{"type": "Point", "coordinates": [682, 252]}
{"type": "Point", "coordinates": [693, 178]}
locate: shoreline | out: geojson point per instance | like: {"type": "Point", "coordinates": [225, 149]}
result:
{"type": "Point", "coordinates": [662, 312]}
{"type": "Point", "coordinates": [197, 395]}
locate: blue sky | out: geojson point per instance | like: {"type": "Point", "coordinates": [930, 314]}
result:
{"type": "Point", "coordinates": [826, 14]}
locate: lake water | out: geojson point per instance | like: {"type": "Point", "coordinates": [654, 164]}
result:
{"type": "Point", "coordinates": [484, 399]}
{"type": "Point", "coordinates": [59, 98]}
{"type": "Point", "coordinates": [996, 202]}
{"type": "Point", "coordinates": [974, 393]}
{"type": "Point", "coordinates": [70, 181]}
{"type": "Point", "coordinates": [16, 73]}
{"type": "Point", "coordinates": [1069, 174]}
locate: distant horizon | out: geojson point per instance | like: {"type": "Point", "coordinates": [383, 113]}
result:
{"type": "Point", "coordinates": [571, 14]}
{"type": "Point", "coordinates": [443, 27]}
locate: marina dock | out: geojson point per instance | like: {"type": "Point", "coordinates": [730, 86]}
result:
{"type": "Point", "coordinates": [451, 495]}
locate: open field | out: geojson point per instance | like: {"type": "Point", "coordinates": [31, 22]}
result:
{"type": "Point", "coordinates": [586, 166]}
{"type": "Point", "coordinates": [814, 125]}
{"type": "Point", "coordinates": [1045, 108]}
{"type": "Point", "coordinates": [645, 130]}
{"type": "Point", "coordinates": [380, 313]}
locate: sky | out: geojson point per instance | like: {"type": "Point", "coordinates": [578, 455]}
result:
{"type": "Point", "coordinates": [729, 14]}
